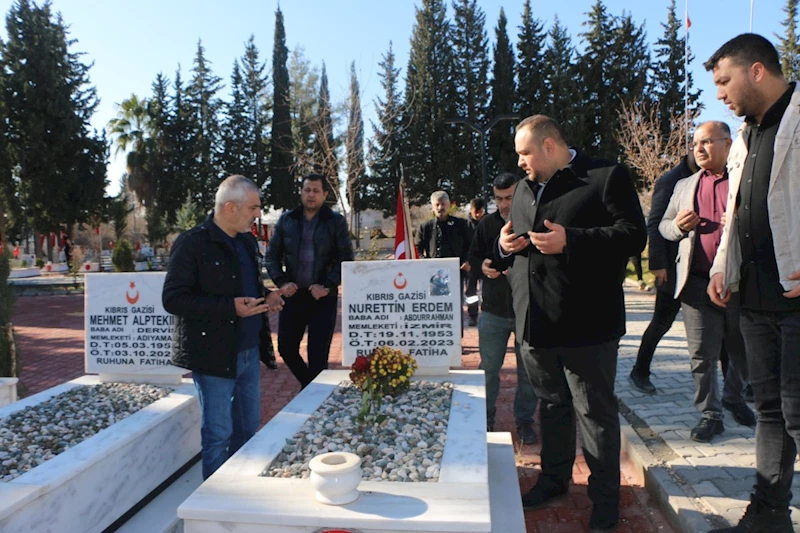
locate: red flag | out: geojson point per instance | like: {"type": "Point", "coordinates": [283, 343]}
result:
{"type": "Point", "coordinates": [403, 247]}
{"type": "Point", "coordinates": [688, 21]}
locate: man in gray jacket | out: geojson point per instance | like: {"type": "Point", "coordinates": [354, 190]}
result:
{"type": "Point", "coordinates": [760, 254]}
{"type": "Point", "coordinates": [694, 219]}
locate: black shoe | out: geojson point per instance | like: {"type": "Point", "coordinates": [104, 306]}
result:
{"type": "Point", "coordinates": [270, 361]}
{"type": "Point", "coordinates": [761, 519]}
{"type": "Point", "coordinates": [526, 433]}
{"type": "Point", "coordinates": [641, 383]}
{"type": "Point", "coordinates": [604, 517]}
{"type": "Point", "coordinates": [741, 413]}
{"type": "Point", "coordinates": [747, 394]}
{"type": "Point", "coordinates": [473, 321]}
{"type": "Point", "coordinates": [489, 428]}
{"type": "Point", "coordinates": [538, 496]}
{"type": "Point", "coordinates": [705, 430]}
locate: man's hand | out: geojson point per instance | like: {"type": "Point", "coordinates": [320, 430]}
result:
{"type": "Point", "coordinates": [249, 306]}
{"type": "Point", "coordinates": [274, 301]}
{"type": "Point", "coordinates": [722, 221]}
{"type": "Point", "coordinates": [715, 291]}
{"type": "Point", "coordinates": [288, 289]}
{"type": "Point", "coordinates": [687, 220]}
{"type": "Point", "coordinates": [552, 242]}
{"type": "Point", "coordinates": [510, 243]}
{"type": "Point", "coordinates": [794, 293]}
{"type": "Point", "coordinates": [318, 291]}
{"type": "Point", "coordinates": [466, 267]}
{"type": "Point", "coordinates": [661, 276]}
{"type": "Point", "coordinates": [488, 271]}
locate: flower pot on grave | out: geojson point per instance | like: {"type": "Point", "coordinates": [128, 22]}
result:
{"type": "Point", "coordinates": [335, 477]}
{"type": "Point", "coordinates": [8, 391]}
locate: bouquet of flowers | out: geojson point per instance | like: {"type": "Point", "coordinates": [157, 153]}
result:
{"type": "Point", "coordinates": [383, 372]}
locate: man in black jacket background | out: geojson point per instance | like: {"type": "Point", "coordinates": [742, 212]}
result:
{"type": "Point", "coordinates": [496, 322]}
{"type": "Point", "coordinates": [574, 223]}
{"type": "Point", "coordinates": [662, 266]}
{"type": "Point", "coordinates": [214, 289]}
{"type": "Point", "coordinates": [304, 258]}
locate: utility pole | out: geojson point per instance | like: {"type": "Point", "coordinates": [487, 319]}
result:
{"type": "Point", "coordinates": [483, 130]}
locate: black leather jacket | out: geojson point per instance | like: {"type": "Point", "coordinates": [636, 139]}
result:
{"type": "Point", "coordinates": [331, 246]}
{"type": "Point", "coordinates": [202, 280]}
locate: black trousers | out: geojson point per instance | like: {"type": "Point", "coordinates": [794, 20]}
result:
{"type": "Point", "coordinates": [578, 383]}
{"type": "Point", "coordinates": [299, 312]}
{"type": "Point", "coordinates": [664, 313]}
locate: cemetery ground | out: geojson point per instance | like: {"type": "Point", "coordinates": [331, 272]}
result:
{"type": "Point", "coordinates": [670, 483]}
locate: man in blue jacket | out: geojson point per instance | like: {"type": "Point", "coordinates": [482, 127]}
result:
{"type": "Point", "coordinates": [214, 289]}
{"type": "Point", "coordinates": [304, 259]}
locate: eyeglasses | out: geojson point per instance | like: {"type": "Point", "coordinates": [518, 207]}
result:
{"type": "Point", "coordinates": [706, 142]}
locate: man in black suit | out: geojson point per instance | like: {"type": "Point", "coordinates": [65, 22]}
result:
{"type": "Point", "coordinates": [662, 266]}
{"type": "Point", "coordinates": [574, 223]}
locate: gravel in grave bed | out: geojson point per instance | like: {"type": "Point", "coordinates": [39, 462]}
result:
{"type": "Point", "coordinates": [406, 447]}
{"type": "Point", "coordinates": [36, 434]}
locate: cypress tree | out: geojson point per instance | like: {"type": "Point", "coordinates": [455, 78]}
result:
{"type": "Point", "coordinates": [529, 63]}
{"type": "Point", "coordinates": [325, 157]}
{"type": "Point", "coordinates": [384, 157]}
{"type": "Point", "coordinates": [669, 73]}
{"type": "Point", "coordinates": [254, 86]}
{"type": "Point", "coordinates": [596, 64]}
{"type": "Point", "coordinates": [502, 157]}
{"type": "Point", "coordinates": [789, 44]}
{"type": "Point", "coordinates": [205, 106]}
{"type": "Point", "coordinates": [303, 79]}
{"type": "Point", "coordinates": [560, 80]}
{"type": "Point", "coordinates": [429, 146]}
{"type": "Point", "coordinates": [471, 78]}
{"type": "Point", "coordinates": [238, 130]}
{"type": "Point", "coordinates": [283, 188]}
{"type": "Point", "coordinates": [354, 146]}
{"type": "Point", "coordinates": [170, 185]}
{"type": "Point", "coordinates": [49, 103]}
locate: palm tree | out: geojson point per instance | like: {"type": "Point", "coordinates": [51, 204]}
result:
{"type": "Point", "coordinates": [130, 132]}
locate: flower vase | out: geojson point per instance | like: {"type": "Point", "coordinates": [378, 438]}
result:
{"type": "Point", "coordinates": [335, 477]}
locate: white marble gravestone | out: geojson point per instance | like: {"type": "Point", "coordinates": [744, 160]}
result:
{"type": "Point", "coordinates": [413, 306]}
{"type": "Point", "coordinates": [236, 499]}
{"type": "Point", "coordinates": [89, 486]}
{"type": "Point", "coordinates": [128, 332]}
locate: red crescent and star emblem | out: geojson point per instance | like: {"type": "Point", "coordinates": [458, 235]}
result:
{"type": "Point", "coordinates": [132, 299]}
{"type": "Point", "coordinates": [400, 282]}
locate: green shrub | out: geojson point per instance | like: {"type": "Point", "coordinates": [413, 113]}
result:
{"type": "Point", "coordinates": [39, 262]}
{"type": "Point", "coordinates": [122, 256]}
{"type": "Point", "coordinates": [8, 357]}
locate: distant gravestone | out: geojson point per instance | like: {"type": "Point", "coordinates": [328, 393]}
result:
{"type": "Point", "coordinates": [128, 332]}
{"type": "Point", "coordinates": [413, 306]}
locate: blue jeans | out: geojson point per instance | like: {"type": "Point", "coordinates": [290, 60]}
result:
{"type": "Point", "coordinates": [231, 409]}
{"type": "Point", "coordinates": [493, 333]}
{"type": "Point", "coordinates": [773, 357]}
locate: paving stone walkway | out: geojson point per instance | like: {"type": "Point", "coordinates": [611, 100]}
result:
{"type": "Point", "coordinates": [712, 482]}
{"type": "Point", "coordinates": [50, 333]}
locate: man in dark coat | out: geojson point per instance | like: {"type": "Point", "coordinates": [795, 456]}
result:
{"type": "Point", "coordinates": [221, 331]}
{"type": "Point", "coordinates": [662, 266]}
{"type": "Point", "coordinates": [304, 258]}
{"type": "Point", "coordinates": [574, 223]}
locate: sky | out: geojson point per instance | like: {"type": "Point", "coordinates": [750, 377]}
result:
{"type": "Point", "coordinates": [130, 42]}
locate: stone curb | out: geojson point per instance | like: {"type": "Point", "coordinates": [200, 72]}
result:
{"type": "Point", "coordinates": [684, 512]}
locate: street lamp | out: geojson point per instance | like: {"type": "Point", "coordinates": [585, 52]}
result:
{"type": "Point", "coordinates": [483, 130]}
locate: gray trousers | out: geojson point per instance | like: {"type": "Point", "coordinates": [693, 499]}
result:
{"type": "Point", "coordinates": [707, 327]}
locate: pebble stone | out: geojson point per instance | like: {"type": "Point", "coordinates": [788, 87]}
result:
{"type": "Point", "coordinates": [36, 434]}
{"type": "Point", "coordinates": [407, 446]}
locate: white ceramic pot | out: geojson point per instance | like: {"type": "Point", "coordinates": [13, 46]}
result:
{"type": "Point", "coordinates": [335, 477]}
